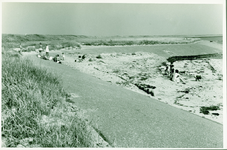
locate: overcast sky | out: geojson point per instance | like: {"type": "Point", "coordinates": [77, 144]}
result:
{"type": "Point", "coordinates": [100, 19]}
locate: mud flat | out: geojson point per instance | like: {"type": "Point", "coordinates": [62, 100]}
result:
{"type": "Point", "coordinates": [143, 72]}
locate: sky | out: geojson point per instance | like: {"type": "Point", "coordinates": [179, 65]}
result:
{"type": "Point", "coordinates": [110, 19]}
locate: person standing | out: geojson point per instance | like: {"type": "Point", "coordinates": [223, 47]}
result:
{"type": "Point", "coordinates": [20, 50]}
{"type": "Point", "coordinates": [47, 51]}
{"type": "Point", "coordinates": [171, 71]}
{"type": "Point", "coordinates": [40, 48]}
{"type": "Point", "coordinates": [167, 71]}
{"type": "Point", "coordinates": [177, 78]}
{"type": "Point", "coordinates": [63, 56]}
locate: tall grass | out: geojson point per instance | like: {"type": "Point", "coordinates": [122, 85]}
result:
{"type": "Point", "coordinates": [35, 111]}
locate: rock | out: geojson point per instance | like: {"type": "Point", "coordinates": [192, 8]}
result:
{"type": "Point", "coordinates": [84, 56]}
{"type": "Point", "coordinates": [198, 77]}
{"type": "Point", "coordinates": [146, 90]}
{"type": "Point", "coordinates": [20, 146]}
{"type": "Point", "coordinates": [151, 92]}
{"type": "Point", "coordinates": [216, 114]}
{"type": "Point", "coordinates": [204, 110]}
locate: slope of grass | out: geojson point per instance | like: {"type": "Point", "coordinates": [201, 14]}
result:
{"type": "Point", "coordinates": [34, 108]}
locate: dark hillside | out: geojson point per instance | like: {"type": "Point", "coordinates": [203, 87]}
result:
{"type": "Point", "coordinates": [38, 37]}
{"type": "Point", "coordinates": [195, 57]}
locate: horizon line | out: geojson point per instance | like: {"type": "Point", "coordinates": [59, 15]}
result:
{"type": "Point", "coordinates": [118, 35]}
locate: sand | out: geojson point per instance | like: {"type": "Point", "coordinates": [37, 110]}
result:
{"type": "Point", "coordinates": [128, 69]}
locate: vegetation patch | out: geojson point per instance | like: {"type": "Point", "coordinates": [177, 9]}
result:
{"type": "Point", "coordinates": [35, 111]}
{"type": "Point", "coordinates": [205, 110]}
{"type": "Point", "coordinates": [195, 57]}
{"type": "Point", "coordinates": [99, 57]}
{"type": "Point", "coordinates": [57, 42]}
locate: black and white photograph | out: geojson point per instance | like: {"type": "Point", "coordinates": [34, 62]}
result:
{"type": "Point", "coordinates": [113, 74]}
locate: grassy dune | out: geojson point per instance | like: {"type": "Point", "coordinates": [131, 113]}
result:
{"type": "Point", "coordinates": [76, 41]}
{"type": "Point", "coordinates": [35, 111]}
{"type": "Point", "coordinates": [33, 40]}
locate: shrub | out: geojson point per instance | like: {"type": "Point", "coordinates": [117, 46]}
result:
{"type": "Point", "coordinates": [129, 43]}
{"type": "Point", "coordinates": [84, 56]}
{"type": "Point", "coordinates": [117, 71]}
{"type": "Point", "coordinates": [205, 110]}
{"type": "Point", "coordinates": [99, 57]}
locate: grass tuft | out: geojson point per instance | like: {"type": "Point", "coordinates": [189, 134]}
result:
{"type": "Point", "coordinates": [34, 109]}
